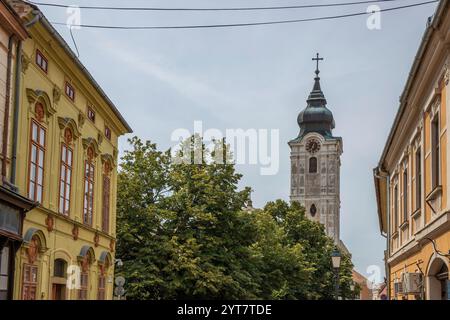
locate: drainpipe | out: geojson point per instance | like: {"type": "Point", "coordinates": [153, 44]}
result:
{"type": "Point", "coordinates": [7, 107]}
{"type": "Point", "coordinates": [388, 235]}
{"type": "Point", "coordinates": [16, 114]}
{"type": "Point", "coordinates": [36, 18]}
{"type": "Point", "coordinates": [380, 174]}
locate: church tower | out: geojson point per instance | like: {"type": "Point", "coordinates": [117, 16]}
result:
{"type": "Point", "coordinates": [315, 162]}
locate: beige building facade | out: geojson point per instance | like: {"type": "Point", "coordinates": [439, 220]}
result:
{"type": "Point", "coordinates": [412, 180]}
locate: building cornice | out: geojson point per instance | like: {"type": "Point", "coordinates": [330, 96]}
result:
{"type": "Point", "coordinates": [11, 21]}
{"type": "Point", "coordinates": [67, 52]}
{"type": "Point", "coordinates": [440, 13]}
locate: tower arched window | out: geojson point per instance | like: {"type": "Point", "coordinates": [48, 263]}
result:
{"type": "Point", "coordinates": [313, 165]}
{"type": "Point", "coordinates": [313, 210]}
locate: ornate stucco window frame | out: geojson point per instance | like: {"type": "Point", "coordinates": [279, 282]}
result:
{"type": "Point", "coordinates": [40, 96]}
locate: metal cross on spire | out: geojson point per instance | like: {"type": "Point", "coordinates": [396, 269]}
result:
{"type": "Point", "coordinates": [317, 59]}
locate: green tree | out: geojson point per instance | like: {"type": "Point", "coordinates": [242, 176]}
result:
{"type": "Point", "coordinates": [317, 248]}
{"type": "Point", "coordinates": [182, 232]}
{"type": "Point", "coordinates": [180, 227]}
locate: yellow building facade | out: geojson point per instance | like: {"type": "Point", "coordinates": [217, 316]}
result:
{"type": "Point", "coordinates": [412, 179]}
{"type": "Point", "coordinates": [13, 206]}
{"type": "Point", "coordinates": [65, 160]}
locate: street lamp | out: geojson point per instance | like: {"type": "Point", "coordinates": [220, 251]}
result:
{"type": "Point", "coordinates": [336, 262]}
{"type": "Point", "coordinates": [352, 289]}
{"type": "Point", "coordinates": [119, 262]}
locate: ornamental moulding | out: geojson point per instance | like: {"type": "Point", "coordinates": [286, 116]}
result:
{"type": "Point", "coordinates": [99, 137]}
{"type": "Point", "coordinates": [106, 157]}
{"type": "Point", "coordinates": [35, 96]}
{"type": "Point", "coordinates": [25, 62]}
{"type": "Point", "coordinates": [446, 74]}
{"type": "Point", "coordinates": [56, 94]}
{"type": "Point", "coordinates": [71, 124]}
{"type": "Point", "coordinates": [91, 142]}
{"type": "Point", "coordinates": [81, 119]}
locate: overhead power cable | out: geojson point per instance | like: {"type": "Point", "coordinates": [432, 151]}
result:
{"type": "Point", "coordinates": [93, 26]}
{"type": "Point", "coordinates": [214, 9]}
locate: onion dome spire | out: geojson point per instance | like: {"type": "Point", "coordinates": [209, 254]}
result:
{"type": "Point", "coordinates": [316, 117]}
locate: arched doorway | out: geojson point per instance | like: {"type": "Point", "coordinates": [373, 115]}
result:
{"type": "Point", "coordinates": [59, 279]}
{"type": "Point", "coordinates": [86, 258]}
{"type": "Point", "coordinates": [437, 279]}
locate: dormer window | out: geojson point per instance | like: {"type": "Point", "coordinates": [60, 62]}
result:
{"type": "Point", "coordinates": [313, 165]}
{"type": "Point", "coordinates": [108, 133]}
{"type": "Point", "coordinates": [70, 91]}
{"type": "Point", "coordinates": [91, 114]}
{"type": "Point", "coordinates": [41, 61]}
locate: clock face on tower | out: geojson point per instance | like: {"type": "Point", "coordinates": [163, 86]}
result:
{"type": "Point", "coordinates": [312, 145]}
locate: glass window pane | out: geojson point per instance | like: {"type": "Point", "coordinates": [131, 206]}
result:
{"type": "Point", "coordinates": [3, 283]}
{"type": "Point", "coordinates": [69, 174]}
{"type": "Point", "coordinates": [42, 137]}
{"type": "Point", "coordinates": [34, 130]}
{"type": "Point", "coordinates": [39, 193]}
{"type": "Point", "coordinates": [40, 174]}
{"type": "Point", "coordinates": [31, 191]}
{"type": "Point", "coordinates": [67, 206]}
{"type": "Point", "coordinates": [63, 173]}
{"type": "Point", "coordinates": [59, 268]}
{"type": "Point", "coordinates": [26, 272]}
{"type": "Point", "coordinates": [67, 191]}
{"type": "Point", "coordinates": [33, 154]}
{"type": "Point", "coordinates": [33, 274]}
{"type": "Point", "coordinates": [4, 260]}
{"type": "Point", "coordinates": [69, 157]}
{"type": "Point", "coordinates": [61, 205]}
{"type": "Point", "coordinates": [61, 189]}
{"type": "Point", "coordinates": [41, 158]}
{"type": "Point", "coordinates": [33, 173]}
{"type": "Point", "coordinates": [63, 154]}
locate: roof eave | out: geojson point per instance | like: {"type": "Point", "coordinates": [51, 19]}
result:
{"type": "Point", "coordinates": [18, 27]}
{"type": "Point", "coordinates": [412, 74]}
{"type": "Point", "coordinates": [48, 26]}
{"type": "Point", "coordinates": [376, 178]}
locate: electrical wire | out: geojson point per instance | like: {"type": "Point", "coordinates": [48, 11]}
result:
{"type": "Point", "coordinates": [74, 42]}
{"type": "Point", "coordinates": [213, 9]}
{"type": "Point", "coordinates": [93, 26]}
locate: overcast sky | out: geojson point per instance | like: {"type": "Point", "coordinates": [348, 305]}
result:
{"type": "Point", "coordinates": [259, 77]}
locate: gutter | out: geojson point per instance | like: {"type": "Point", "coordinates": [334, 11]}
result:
{"type": "Point", "coordinates": [440, 10]}
{"type": "Point", "coordinates": [379, 174]}
{"type": "Point", "coordinates": [7, 106]}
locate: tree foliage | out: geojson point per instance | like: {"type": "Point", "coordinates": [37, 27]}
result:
{"type": "Point", "coordinates": [183, 234]}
